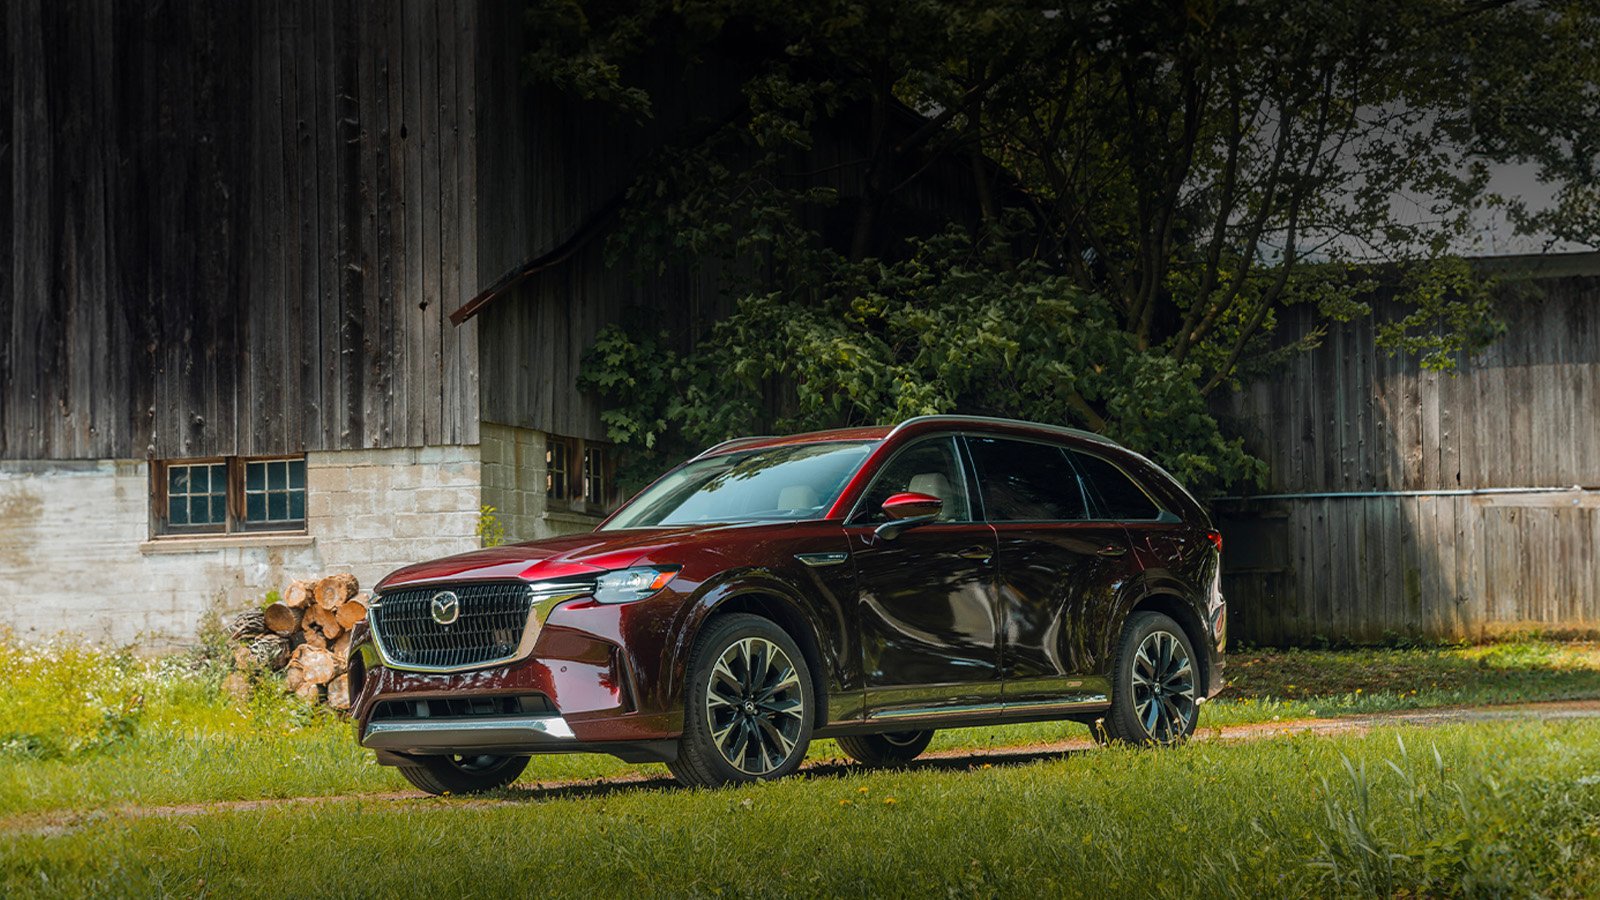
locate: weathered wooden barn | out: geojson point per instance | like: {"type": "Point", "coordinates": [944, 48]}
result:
{"type": "Point", "coordinates": [232, 238]}
{"type": "Point", "coordinates": [1409, 504]}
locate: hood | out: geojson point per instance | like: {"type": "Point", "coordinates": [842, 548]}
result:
{"type": "Point", "coordinates": [572, 556]}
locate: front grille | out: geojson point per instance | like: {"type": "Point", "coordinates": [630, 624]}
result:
{"type": "Point", "coordinates": [489, 627]}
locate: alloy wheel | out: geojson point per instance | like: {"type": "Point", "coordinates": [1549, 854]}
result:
{"type": "Point", "coordinates": [754, 706]}
{"type": "Point", "coordinates": [1163, 686]}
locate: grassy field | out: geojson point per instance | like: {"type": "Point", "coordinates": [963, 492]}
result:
{"type": "Point", "coordinates": [82, 729]}
{"type": "Point", "coordinates": [1501, 809]}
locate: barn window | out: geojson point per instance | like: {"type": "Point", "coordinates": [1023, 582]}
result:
{"type": "Point", "coordinates": [594, 476]}
{"type": "Point", "coordinates": [558, 467]}
{"type": "Point", "coordinates": [577, 473]}
{"type": "Point", "coordinates": [225, 496]}
{"type": "Point", "coordinates": [197, 496]}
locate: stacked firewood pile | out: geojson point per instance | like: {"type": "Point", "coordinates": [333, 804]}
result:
{"type": "Point", "coordinates": [306, 635]}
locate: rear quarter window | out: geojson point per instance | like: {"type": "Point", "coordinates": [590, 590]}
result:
{"type": "Point", "coordinates": [1113, 493]}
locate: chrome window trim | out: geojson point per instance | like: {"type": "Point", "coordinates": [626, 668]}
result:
{"type": "Point", "coordinates": [544, 598]}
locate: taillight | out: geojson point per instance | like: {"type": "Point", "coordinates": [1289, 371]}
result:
{"type": "Point", "coordinates": [1216, 539]}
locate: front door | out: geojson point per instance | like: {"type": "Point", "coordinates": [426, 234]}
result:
{"type": "Point", "coordinates": [929, 617]}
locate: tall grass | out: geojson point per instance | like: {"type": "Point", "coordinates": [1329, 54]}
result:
{"type": "Point", "coordinates": [1489, 809]}
{"type": "Point", "coordinates": [84, 728]}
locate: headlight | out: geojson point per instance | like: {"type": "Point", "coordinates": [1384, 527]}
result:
{"type": "Point", "coordinates": [628, 585]}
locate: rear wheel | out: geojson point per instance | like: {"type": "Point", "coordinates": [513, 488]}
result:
{"type": "Point", "coordinates": [1154, 694]}
{"type": "Point", "coordinates": [892, 749]}
{"type": "Point", "coordinates": [463, 774]}
{"type": "Point", "coordinates": [748, 707]}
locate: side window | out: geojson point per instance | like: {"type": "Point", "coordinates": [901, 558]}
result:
{"type": "Point", "coordinates": [1115, 494]}
{"type": "Point", "coordinates": [929, 467]}
{"type": "Point", "coordinates": [1026, 482]}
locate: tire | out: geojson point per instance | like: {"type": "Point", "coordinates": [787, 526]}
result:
{"type": "Point", "coordinates": [748, 706]}
{"type": "Point", "coordinates": [1155, 685]}
{"type": "Point", "coordinates": [463, 774]}
{"type": "Point", "coordinates": [885, 750]}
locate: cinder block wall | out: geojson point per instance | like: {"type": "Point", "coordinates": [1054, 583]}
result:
{"type": "Point", "coordinates": [514, 484]}
{"type": "Point", "coordinates": [76, 554]}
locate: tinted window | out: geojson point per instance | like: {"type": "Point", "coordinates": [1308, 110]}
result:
{"type": "Point", "coordinates": [796, 482]}
{"type": "Point", "coordinates": [1026, 482]}
{"type": "Point", "coordinates": [930, 467]}
{"type": "Point", "coordinates": [1115, 495]}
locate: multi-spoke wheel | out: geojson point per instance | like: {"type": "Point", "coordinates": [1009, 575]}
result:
{"type": "Point", "coordinates": [1154, 695]}
{"type": "Point", "coordinates": [748, 706]}
{"type": "Point", "coordinates": [463, 774]}
{"type": "Point", "coordinates": [890, 749]}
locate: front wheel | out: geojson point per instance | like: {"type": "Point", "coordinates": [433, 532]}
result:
{"type": "Point", "coordinates": [895, 748]}
{"type": "Point", "coordinates": [748, 707]}
{"type": "Point", "coordinates": [1154, 693]}
{"type": "Point", "coordinates": [463, 774]}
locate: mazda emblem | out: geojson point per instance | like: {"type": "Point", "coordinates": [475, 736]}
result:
{"type": "Point", "coordinates": [446, 607]}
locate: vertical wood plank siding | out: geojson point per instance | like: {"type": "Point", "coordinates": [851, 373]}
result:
{"type": "Point", "coordinates": [236, 228]}
{"type": "Point", "coordinates": [1347, 419]}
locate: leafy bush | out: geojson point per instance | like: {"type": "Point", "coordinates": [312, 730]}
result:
{"type": "Point", "coordinates": [63, 698]}
{"type": "Point", "coordinates": [944, 330]}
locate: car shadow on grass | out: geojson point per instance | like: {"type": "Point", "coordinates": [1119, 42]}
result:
{"type": "Point", "coordinates": [814, 771]}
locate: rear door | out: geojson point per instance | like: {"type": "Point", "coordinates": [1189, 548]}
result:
{"type": "Point", "coordinates": [1060, 569]}
{"type": "Point", "coordinates": [928, 611]}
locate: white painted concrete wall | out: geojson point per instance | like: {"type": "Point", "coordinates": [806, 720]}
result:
{"type": "Point", "coordinates": [76, 554]}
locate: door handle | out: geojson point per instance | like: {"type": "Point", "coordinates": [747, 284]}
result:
{"type": "Point", "coordinates": [981, 554]}
{"type": "Point", "coordinates": [1112, 550]}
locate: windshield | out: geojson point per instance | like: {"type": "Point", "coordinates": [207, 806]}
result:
{"type": "Point", "coordinates": [797, 482]}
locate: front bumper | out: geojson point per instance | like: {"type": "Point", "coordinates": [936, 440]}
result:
{"type": "Point", "coordinates": [487, 734]}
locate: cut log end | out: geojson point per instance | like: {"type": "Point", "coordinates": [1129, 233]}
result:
{"type": "Point", "coordinates": [333, 591]}
{"type": "Point", "coordinates": [281, 618]}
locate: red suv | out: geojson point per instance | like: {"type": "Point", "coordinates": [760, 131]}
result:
{"type": "Point", "coordinates": [866, 584]}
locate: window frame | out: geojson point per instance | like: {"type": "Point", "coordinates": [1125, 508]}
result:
{"type": "Point", "coordinates": [1092, 496]}
{"type": "Point", "coordinates": [234, 523]}
{"type": "Point", "coordinates": [574, 498]}
{"type": "Point", "coordinates": [1083, 493]}
{"type": "Point", "coordinates": [861, 515]}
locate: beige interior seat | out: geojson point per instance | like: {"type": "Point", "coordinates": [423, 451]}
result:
{"type": "Point", "coordinates": [935, 484]}
{"type": "Point", "coordinates": [798, 496]}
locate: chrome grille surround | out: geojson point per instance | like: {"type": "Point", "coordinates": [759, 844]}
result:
{"type": "Point", "coordinates": [498, 623]}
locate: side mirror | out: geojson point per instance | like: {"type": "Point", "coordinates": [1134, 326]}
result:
{"type": "Point", "coordinates": [907, 509]}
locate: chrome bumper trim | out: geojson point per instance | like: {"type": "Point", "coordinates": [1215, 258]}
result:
{"type": "Point", "coordinates": [454, 735]}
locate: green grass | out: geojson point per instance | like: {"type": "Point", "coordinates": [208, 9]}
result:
{"type": "Point", "coordinates": [1511, 809]}
{"type": "Point", "coordinates": [82, 729]}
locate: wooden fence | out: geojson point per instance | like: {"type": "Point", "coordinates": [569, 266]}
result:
{"type": "Point", "coordinates": [1405, 502]}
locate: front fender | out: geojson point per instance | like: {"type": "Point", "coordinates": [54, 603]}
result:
{"type": "Point", "coordinates": [809, 603]}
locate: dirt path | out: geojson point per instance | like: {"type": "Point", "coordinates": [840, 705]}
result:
{"type": "Point", "coordinates": [58, 822]}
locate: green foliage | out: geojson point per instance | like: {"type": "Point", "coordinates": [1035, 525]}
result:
{"type": "Point", "coordinates": [1148, 192]}
{"type": "Point", "coordinates": [490, 531]}
{"type": "Point", "coordinates": [944, 330]}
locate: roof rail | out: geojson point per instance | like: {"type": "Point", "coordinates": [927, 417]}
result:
{"type": "Point", "coordinates": [733, 442]}
{"type": "Point", "coordinates": [994, 420]}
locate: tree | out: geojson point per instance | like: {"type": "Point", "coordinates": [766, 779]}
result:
{"type": "Point", "coordinates": [1153, 184]}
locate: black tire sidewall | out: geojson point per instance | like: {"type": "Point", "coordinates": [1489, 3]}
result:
{"type": "Point", "coordinates": [878, 750]}
{"type": "Point", "coordinates": [441, 775]}
{"type": "Point", "coordinates": [1122, 721]}
{"type": "Point", "coordinates": [699, 762]}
